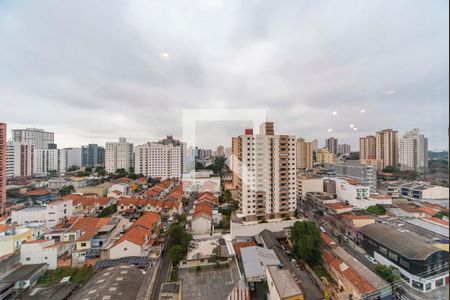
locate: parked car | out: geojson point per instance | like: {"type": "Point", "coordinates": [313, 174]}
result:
{"type": "Point", "coordinates": [322, 229]}
{"type": "Point", "coordinates": [371, 259]}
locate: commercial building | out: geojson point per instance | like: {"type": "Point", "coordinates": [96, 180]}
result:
{"type": "Point", "coordinates": [324, 156]}
{"type": "Point", "coordinates": [368, 147]}
{"type": "Point", "coordinates": [332, 145]}
{"type": "Point", "coordinates": [413, 152]}
{"type": "Point", "coordinates": [366, 174]}
{"type": "Point", "coordinates": [422, 265]}
{"type": "Point", "coordinates": [357, 194]}
{"type": "Point", "coordinates": [421, 191]}
{"type": "Point", "coordinates": [3, 132]}
{"type": "Point", "coordinates": [92, 155]}
{"type": "Point", "coordinates": [266, 174]}
{"type": "Point", "coordinates": [38, 138]}
{"type": "Point", "coordinates": [387, 147]}
{"type": "Point", "coordinates": [118, 155]}
{"type": "Point", "coordinates": [159, 160]}
{"type": "Point", "coordinates": [304, 154]}
{"type": "Point", "coordinates": [308, 184]}
{"type": "Point", "coordinates": [51, 214]}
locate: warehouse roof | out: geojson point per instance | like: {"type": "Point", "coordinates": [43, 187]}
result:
{"type": "Point", "coordinates": [404, 243]}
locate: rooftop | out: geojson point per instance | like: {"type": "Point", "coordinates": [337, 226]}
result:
{"type": "Point", "coordinates": [284, 282]}
{"type": "Point", "coordinates": [255, 259]}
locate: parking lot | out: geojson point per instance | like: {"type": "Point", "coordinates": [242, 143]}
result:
{"type": "Point", "coordinates": [209, 283]}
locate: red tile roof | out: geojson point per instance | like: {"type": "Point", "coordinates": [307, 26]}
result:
{"type": "Point", "coordinates": [337, 205]}
{"type": "Point", "coordinates": [132, 201]}
{"type": "Point", "coordinates": [38, 192]}
{"type": "Point", "coordinates": [148, 220]}
{"type": "Point", "coordinates": [136, 235]}
{"type": "Point", "coordinates": [88, 226]}
{"type": "Point", "coordinates": [239, 246]}
{"type": "Point", "coordinates": [438, 221]}
{"type": "Point", "coordinates": [356, 217]}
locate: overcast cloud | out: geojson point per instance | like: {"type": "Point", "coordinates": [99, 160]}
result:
{"type": "Point", "coordinates": [92, 71]}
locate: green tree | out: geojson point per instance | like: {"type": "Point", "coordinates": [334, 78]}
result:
{"type": "Point", "coordinates": [442, 215]}
{"type": "Point", "coordinates": [131, 170]}
{"type": "Point", "coordinates": [108, 211]}
{"type": "Point", "coordinates": [88, 170]}
{"type": "Point", "coordinates": [121, 173]}
{"type": "Point", "coordinates": [307, 241]}
{"type": "Point", "coordinates": [217, 255]}
{"type": "Point", "coordinates": [100, 171]}
{"type": "Point", "coordinates": [377, 210]}
{"type": "Point", "coordinates": [52, 173]}
{"type": "Point", "coordinates": [133, 176]}
{"type": "Point", "coordinates": [227, 196]}
{"type": "Point", "coordinates": [176, 253]}
{"type": "Point", "coordinates": [66, 190]}
{"type": "Point", "coordinates": [391, 169]}
{"type": "Point", "coordinates": [73, 168]}
{"type": "Point", "coordinates": [388, 273]}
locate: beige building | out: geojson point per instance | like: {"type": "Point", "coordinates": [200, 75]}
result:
{"type": "Point", "coordinates": [307, 184]}
{"type": "Point", "coordinates": [304, 154]}
{"type": "Point", "coordinates": [282, 285]}
{"type": "Point", "coordinates": [118, 155]}
{"type": "Point", "coordinates": [266, 174]}
{"type": "Point", "coordinates": [368, 147]}
{"type": "Point", "coordinates": [387, 147]}
{"type": "Point", "coordinates": [324, 156]}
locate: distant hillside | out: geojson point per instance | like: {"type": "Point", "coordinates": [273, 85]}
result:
{"type": "Point", "coordinates": [437, 155]}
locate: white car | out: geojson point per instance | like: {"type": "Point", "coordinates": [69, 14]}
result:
{"type": "Point", "coordinates": [371, 259]}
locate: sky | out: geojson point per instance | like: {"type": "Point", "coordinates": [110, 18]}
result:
{"type": "Point", "coordinates": [93, 71]}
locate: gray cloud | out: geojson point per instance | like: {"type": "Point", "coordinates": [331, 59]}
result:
{"type": "Point", "coordinates": [92, 72]}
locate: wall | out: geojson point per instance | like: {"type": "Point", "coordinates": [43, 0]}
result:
{"type": "Point", "coordinates": [119, 251]}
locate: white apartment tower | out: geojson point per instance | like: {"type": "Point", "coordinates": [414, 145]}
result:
{"type": "Point", "coordinates": [118, 155]}
{"type": "Point", "coordinates": [46, 160]}
{"type": "Point", "coordinates": [413, 151]}
{"type": "Point", "coordinates": [38, 138]}
{"type": "Point", "coordinates": [266, 173]}
{"type": "Point", "coordinates": [159, 160]}
{"type": "Point", "coordinates": [19, 159]}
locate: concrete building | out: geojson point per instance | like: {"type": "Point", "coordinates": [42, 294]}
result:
{"type": "Point", "coordinates": [72, 157]}
{"type": "Point", "coordinates": [118, 155]}
{"type": "Point", "coordinates": [366, 174]}
{"type": "Point", "coordinates": [304, 154]}
{"type": "Point", "coordinates": [3, 132]}
{"type": "Point", "coordinates": [51, 214]}
{"type": "Point", "coordinates": [282, 285]}
{"type": "Point", "coordinates": [368, 147]}
{"type": "Point", "coordinates": [308, 184]}
{"type": "Point", "coordinates": [47, 160]}
{"type": "Point", "coordinates": [344, 149]}
{"type": "Point", "coordinates": [413, 152]}
{"type": "Point", "coordinates": [387, 147]}
{"type": "Point", "coordinates": [266, 174]}
{"type": "Point", "coordinates": [324, 156]}
{"type": "Point", "coordinates": [254, 260]}
{"type": "Point", "coordinates": [422, 191]}
{"type": "Point", "coordinates": [42, 252]}
{"type": "Point", "coordinates": [332, 145]}
{"type": "Point", "coordinates": [20, 159]}
{"type": "Point", "coordinates": [159, 160]}
{"type": "Point", "coordinates": [38, 138]}
{"type": "Point", "coordinates": [220, 152]}
{"type": "Point", "coordinates": [12, 237]}
{"type": "Point", "coordinates": [315, 144]}
{"type": "Point", "coordinates": [92, 155]}
{"type": "Point", "coordinates": [358, 195]}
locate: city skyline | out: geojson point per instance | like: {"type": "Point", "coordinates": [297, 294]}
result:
{"type": "Point", "coordinates": [143, 63]}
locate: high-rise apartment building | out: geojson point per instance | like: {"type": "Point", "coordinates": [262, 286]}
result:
{"type": "Point", "coordinates": [387, 147]}
{"type": "Point", "coordinates": [324, 156]}
{"type": "Point", "coordinates": [315, 145]}
{"type": "Point", "coordinates": [413, 152]}
{"type": "Point", "coordinates": [235, 161]}
{"type": "Point", "coordinates": [159, 160]}
{"type": "Point", "coordinates": [344, 149]}
{"type": "Point", "coordinates": [332, 145]}
{"type": "Point", "coordinates": [38, 138]}
{"type": "Point", "coordinates": [304, 154]}
{"type": "Point", "coordinates": [364, 174]}
{"type": "Point", "coordinates": [118, 155]}
{"type": "Point", "coordinates": [3, 132]}
{"type": "Point", "coordinates": [266, 173]}
{"type": "Point", "coordinates": [72, 157]}
{"type": "Point", "coordinates": [47, 160]}
{"type": "Point", "coordinates": [220, 151]}
{"type": "Point", "coordinates": [92, 155]}
{"type": "Point", "coordinates": [368, 147]}
{"type": "Point", "coordinates": [19, 159]}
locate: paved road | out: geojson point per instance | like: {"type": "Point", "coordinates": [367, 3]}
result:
{"type": "Point", "coordinates": [162, 275]}
{"type": "Point", "coordinates": [190, 205]}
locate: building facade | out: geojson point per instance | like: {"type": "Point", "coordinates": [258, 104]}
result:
{"type": "Point", "coordinates": [47, 160]}
{"type": "Point", "coordinates": [266, 174]}
{"type": "Point", "coordinates": [387, 147]}
{"type": "Point", "coordinates": [3, 132]}
{"type": "Point", "coordinates": [332, 145]}
{"type": "Point", "coordinates": [92, 155]}
{"type": "Point", "coordinates": [368, 147]}
{"type": "Point", "coordinates": [118, 155]}
{"type": "Point", "coordinates": [413, 152]}
{"type": "Point", "coordinates": [304, 154]}
{"type": "Point", "coordinates": [19, 159]}
{"type": "Point", "coordinates": [72, 157]}
{"type": "Point", "coordinates": [324, 156]}
{"type": "Point", "coordinates": [159, 160]}
{"type": "Point", "coordinates": [366, 174]}
{"type": "Point", "coordinates": [38, 138]}
{"type": "Point", "coordinates": [344, 149]}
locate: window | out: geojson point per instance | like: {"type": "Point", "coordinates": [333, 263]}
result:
{"type": "Point", "coordinates": [83, 244]}
{"type": "Point", "coordinates": [27, 259]}
{"type": "Point", "coordinates": [125, 249]}
{"type": "Point", "coordinates": [393, 256]}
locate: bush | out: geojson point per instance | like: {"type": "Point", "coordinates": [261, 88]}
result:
{"type": "Point", "coordinates": [77, 275]}
{"type": "Point", "coordinates": [377, 210]}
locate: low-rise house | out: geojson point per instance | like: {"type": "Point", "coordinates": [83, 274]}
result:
{"type": "Point", "coordinates": [282, 285]}
{"type": "Point", "coordinates": [350, 282]}
{"type": "Point", "coordinates": [135, 204]}
{"type": "Point", "coordinates": [11, 238]}
{"type": "Point", "coordinates": [255, 259]}
{"type": "Point", "coordinates": [42, 252]}
{"type": "Point", "coordinates": [338, 208]}
{"type": "Point", "coordinates": [124, 188]}
{"type": "Point", "coordinates": [23, 277]}
{"type": "Point", "coordinates": [207, 252]}
{"type": "Point", "coordinates": [202, 219]}
{"type": "Point", "coordinates": [167, 208]}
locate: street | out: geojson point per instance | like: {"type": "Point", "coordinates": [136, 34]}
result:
{"type": "Point", "coordinates": [163, 273]}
